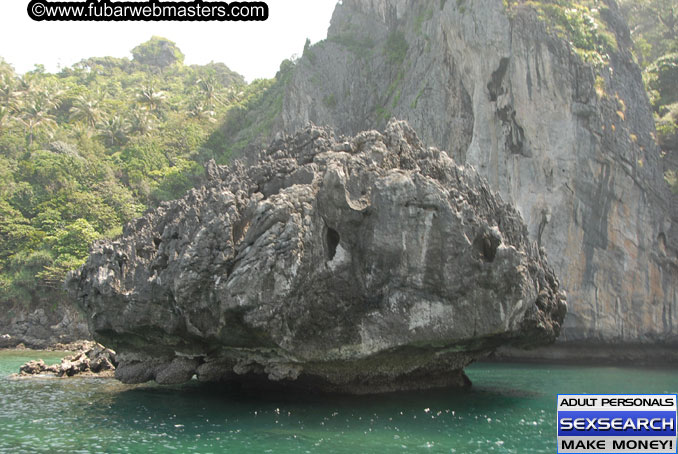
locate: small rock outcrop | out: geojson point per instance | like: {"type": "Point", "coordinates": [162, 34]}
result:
{"type": "Point", "coordinates": [91, 360]}
{"type": "Point", "coordinates": [361, 264]}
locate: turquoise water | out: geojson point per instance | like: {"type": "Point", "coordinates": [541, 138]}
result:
{"type": "Point", "coordinates": [511, 409]}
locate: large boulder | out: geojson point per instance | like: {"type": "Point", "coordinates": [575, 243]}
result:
{"type": "Point", "coordinates": [365, 264]}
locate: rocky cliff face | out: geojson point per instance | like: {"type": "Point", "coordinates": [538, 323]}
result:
{"type": "Point", "coordinates": [51, 320]}
{"type": "Point", "coordinates": [570, 145]}
{"type": "Point", "coordinates": [362, 265]}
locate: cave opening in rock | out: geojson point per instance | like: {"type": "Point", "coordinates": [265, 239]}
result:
{"type": "Point", "coordinates": [331, 242]}
{"type": "Point", "coordinates": [487, 246]}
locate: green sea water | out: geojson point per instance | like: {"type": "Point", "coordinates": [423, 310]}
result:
{"type": "Point", "coordinates": [510, 409]}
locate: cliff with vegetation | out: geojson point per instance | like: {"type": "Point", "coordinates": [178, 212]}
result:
{"type": "Point", "coordinates": [545, 100]}
{"type": "Point", "coordinates": [654, 29]}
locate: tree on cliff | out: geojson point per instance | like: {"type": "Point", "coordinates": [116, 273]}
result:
{"type": "Point", "coordinates": [654, 27]}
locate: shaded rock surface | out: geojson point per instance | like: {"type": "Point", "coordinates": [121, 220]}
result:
{"type": "Point", "coordinates": [359, 264]}
{"type": "Point", "coordinates": [569, 145]}
{"type": "Point", "coordinates": [42, 325]}
{"type": "Point", "coordinates": [91, 359]}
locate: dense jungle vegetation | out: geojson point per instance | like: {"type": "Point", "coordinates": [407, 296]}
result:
{"type": "Point", "coordinates": [87, 149]}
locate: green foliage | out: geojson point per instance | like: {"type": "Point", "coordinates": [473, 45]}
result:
{"type": "Point", "coordinates": [394, 88]}
{"type": "Point", "coordinates": [53, 274]}
{"type": "Point", "coordinates": [383, 114]}
{"type": "Point", "coordinates": [357, 45]}
{"type": "Point", "coordinates": [74, 239]}
{"type": "Point", "coordinates": [250, 122]}
{"type": "Point", "coordinates": [667, 128]}
{"type": "Point", "coordinates": [582, 24]}
{"type": "Point", "coordinates": [671, 177]}
{"type": "Point", "coordinates": [661, 80]}
{"type": "Point", "coordinates": [158, 53]}
{"type": "Point", "coordinates": [308, 52]}
{"type": "Point", "coordinates": [18, 277]}
{"type": "Point", "coordinates": [420, 93]}
{"type": "Point", "coordinates": [421, 18]}
{"type": "Point", "coordinates": [396, 48]}
{"type": "Point", "coordinates": [172, 182]}
{"type": "Point", "coordinates": [16, 232]}
{"type": "Point", "coordinates": [330, 101]}
{"type": "Point", "coordinates": [600, 86]}
{"type": "Point", "coordinates": [654, 28]}
{"type": "Point", "coordinates": [90, 148]}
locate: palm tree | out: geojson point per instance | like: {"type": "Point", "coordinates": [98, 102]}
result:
{"type": "Point", "coordinates": [34, 102]}
{"type": "Point", "coordinates": [87, 109]}
{"type": "Point", "coordinates": [36, 113]}
{"type": "Point", "coordinates": [209, 88]}
{"type": "Point", "coordinates": [150, 97]}
{"type": "Point", "coordinates": [27, 84]}
{"type": "Point", "coordinates": [10, 102]}
{"type": "Point", "coordinates": [80, 130]}
{"type": "Point", "coordinates": [4, 116]}
{"type": "Point", "coordinates": [199, 109]}
{"type": "Point", "coordinates": [114, 131]}
{"type": "Point", "coordinates": [7, 90]}
{"type": "Point", "coordinates": [141, 121]}
{"type": "Point", "coordinates": [232, 94]}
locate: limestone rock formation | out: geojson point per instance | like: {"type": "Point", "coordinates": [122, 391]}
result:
{"type": "Point", "coordinates": [568, 143]}
{"type": "Point", "coordinates": [360, 264]}
{"type": "Point", "coordinates": [91, 360]}
{"type": "Point", "coordinates": [43, 324]}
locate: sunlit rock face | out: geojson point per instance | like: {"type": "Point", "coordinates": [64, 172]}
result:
{"type": "Point", "coordinates": [359, 264]}
{"type": "Point", "coordinates": [570, 145]}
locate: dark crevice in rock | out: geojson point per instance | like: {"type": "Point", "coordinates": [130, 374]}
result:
{"type": "Point", "coordinates": [487, 245]}
{"type": "Point", "coordinates": [514, 134]}
{"type": "Point", "coordinates": [331, 242]}
{"type": "Point", "coordinates": [494, 86]}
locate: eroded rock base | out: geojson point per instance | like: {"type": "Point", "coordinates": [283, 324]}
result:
{"type": "Point", "coordinates": [399, 370]}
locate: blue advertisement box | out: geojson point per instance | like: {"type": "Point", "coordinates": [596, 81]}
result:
{"type": "Point", "coordinates": [617, 423]}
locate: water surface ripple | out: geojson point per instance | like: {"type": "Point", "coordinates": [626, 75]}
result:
{"type": "Point", "coordinates": [511, 409]}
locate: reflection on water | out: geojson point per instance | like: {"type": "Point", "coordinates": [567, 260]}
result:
{"type": "Point", "coordinates": [511, 409]}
